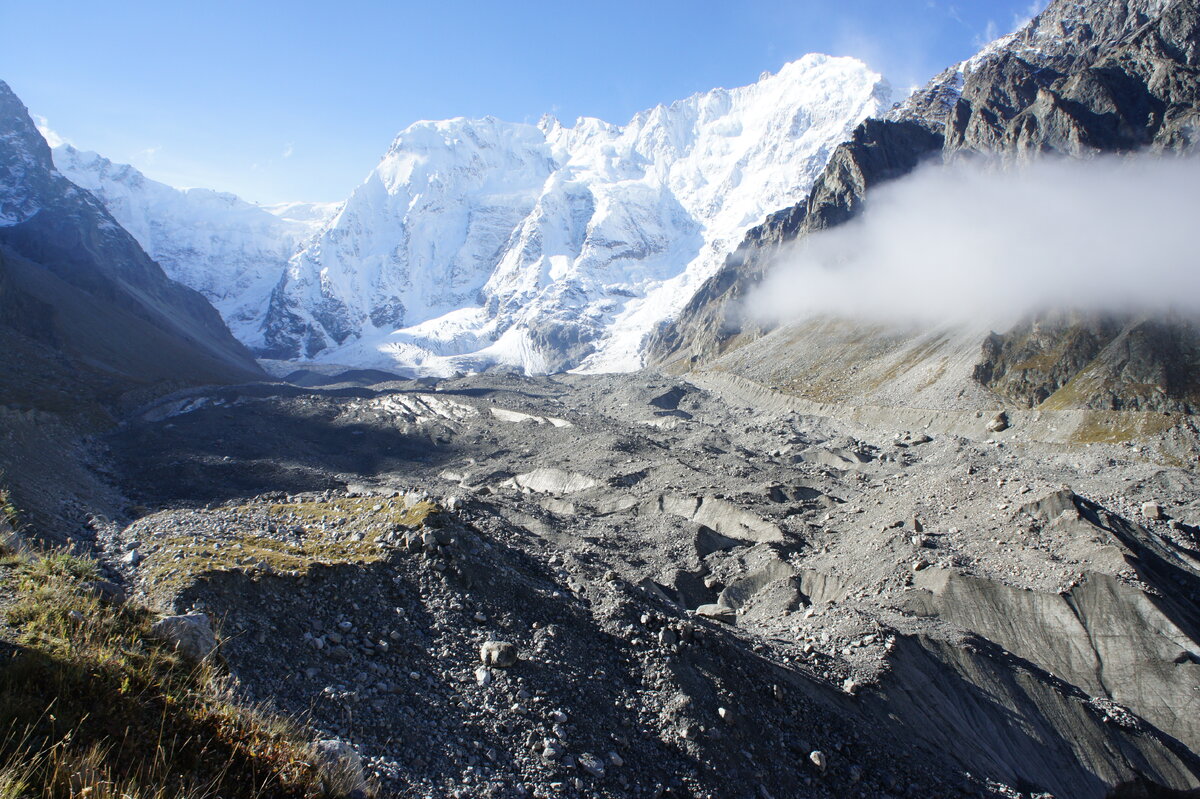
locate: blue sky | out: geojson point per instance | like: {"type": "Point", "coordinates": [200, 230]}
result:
{"type": "Point", "coordinates": [297, 100]}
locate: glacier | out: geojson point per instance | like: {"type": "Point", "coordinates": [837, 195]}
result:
{"type": "Point", "coordinates": [479, 243]}
{"type": "Point", "coordinates": [231, 251]}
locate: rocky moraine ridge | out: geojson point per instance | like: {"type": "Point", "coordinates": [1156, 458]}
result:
{"type": "Point", "coordinates": [598, 586]}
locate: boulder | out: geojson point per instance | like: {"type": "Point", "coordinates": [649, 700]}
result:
{"type": "Point", "coordinates": [717, 613]}
{"type": "Point", "coordinates": [340, 769]}
{"type": "Point", "coordinates": [190, 635]}
{"type": "Point", "coordinates": [500, 654]}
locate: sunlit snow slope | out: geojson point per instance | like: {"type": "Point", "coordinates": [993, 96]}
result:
{"type": "Point", "coordinates": [227, 249]}
{"type": "Point", "coordinates": [481, 242]}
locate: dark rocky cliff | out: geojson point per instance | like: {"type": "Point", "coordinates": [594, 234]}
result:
{"type": "Point", "coordinates": [81, 298]}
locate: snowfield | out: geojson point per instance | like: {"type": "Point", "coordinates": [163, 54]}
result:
{"type": "Point", "coordinates": [477, 243]}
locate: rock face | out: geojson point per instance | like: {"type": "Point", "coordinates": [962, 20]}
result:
{"type": "Point", "coordinates": [77, 293]}
{"type": "Point", "coordinates": [1108, 77]}
{"type": "Point", "coordinates": [1092, 361]}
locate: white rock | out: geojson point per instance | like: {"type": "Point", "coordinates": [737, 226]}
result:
{"type": "Point", "coordinates": [191, 635]}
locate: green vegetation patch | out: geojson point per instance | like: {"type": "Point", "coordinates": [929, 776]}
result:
{"type": "Point", "coordinates": [333, 532]}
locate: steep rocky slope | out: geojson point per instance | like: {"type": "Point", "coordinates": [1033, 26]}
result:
{"type": "Point", "coordinates": [1078, 80]}
{"type": "Point", "coordinates": [88, 323]}
{"type": "Point", "coordinates": [76, 281]}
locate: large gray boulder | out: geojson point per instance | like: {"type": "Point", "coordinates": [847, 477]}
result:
{"type": "Point", "coordinates": [340, 769]}
{"type": "Point", "coordinates": [191, 635]}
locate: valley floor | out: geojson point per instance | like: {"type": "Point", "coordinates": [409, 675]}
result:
{"type": "Point", "coordinates": [710, 595]}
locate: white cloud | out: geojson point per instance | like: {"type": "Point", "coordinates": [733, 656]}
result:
{"type": "Point", "coordinates": [52, 138]}
{"type": "Point", "coordinates": [1021, 19]}
{"type": "Point", "coordinates": [972, 243]}
{"type": "Point", "coordinates": [288, 149]}
{"type": "Point", "coordinates": [991, 33]}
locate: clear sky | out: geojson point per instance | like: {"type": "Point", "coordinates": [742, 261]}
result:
{"type": "Point", "coordinates": [297, 100]}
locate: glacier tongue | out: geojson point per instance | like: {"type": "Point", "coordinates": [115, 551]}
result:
{"type": "Point", "coordinates": [481, 242]}
{"type": "Point", "coordinates": [225, 248]}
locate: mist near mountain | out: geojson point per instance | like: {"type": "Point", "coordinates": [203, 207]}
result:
{"type": "Point", "coordinates": [977, 241]}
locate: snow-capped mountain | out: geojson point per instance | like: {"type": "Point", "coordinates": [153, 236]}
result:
{"type": "Point", "coordinates": [548, 247]}
{"type": "Point", "coordinates": [231, 251]}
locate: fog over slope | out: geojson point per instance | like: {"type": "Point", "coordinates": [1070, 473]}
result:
{"type": "Point", "coordinates": [974, 242]}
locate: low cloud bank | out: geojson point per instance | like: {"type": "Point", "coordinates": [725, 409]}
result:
{"type": "Point", "coordinates": [975, 243]}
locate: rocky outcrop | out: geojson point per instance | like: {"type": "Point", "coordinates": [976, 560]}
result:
{"type": "Point", "coordinates": [1137, 88]}
{"type": "Point", "coordinates": [1099, 362]}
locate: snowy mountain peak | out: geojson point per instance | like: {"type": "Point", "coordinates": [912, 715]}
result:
{"type": "Point", "coordinates": [231, 251]}
{"type": "Point", "coordinates": [544, 247]}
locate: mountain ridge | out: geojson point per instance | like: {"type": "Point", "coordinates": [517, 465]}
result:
{"type": "Point", "coordinates": [1121, 79]}
{"type": "Point", "coordinates": [480, 242]}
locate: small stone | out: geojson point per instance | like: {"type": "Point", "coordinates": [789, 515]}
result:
{"type": "Point", "coordinates": [592, 765]}
{"type": "Point", "coordinates": [668, 637]}
{"type": "Point", "coordinates": [719, 613]}
{"type": "Point", "coordinates": [999, 423]}
{"type": "Point", "coordinates": [849, 685]}
{"type": "Point", "coordinates": [726, 714]}
{"type": "Point", "coordinates": [615, 760]}
{"type": "Point", "coordinates": [558, 717]}
{"type": "Point", "coordinates": [920, 564]}
{"type": "Point", "coordinates": [75, 616]}
{"type": "Point", "coordinates": [500, 654]}
{"type": "Point", "coordinates": [483, 676]}
{"type": "Point", "coordinates": [551, 749]}
{"type": "Point", "coordinates": [817, 758]}
{"type": "Point", "coordinates": [1152, 511]}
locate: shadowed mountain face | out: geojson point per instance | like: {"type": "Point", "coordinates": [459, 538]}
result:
{"type": "Point", "coordinates": [1079, 80]}
{"type": "Point", "coordinates": [80, 298]}
{"type": "Point", "coordinates": [89, 326]}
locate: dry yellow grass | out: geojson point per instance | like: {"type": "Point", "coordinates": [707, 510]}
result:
{"type": "Point", "coordinates": [94, 707]}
